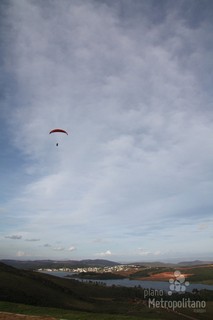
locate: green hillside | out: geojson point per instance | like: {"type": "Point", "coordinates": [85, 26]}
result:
{"type": "Point", "coordinates": [201, 274]}
{"type": "Point", "coordinates": [39, 289]}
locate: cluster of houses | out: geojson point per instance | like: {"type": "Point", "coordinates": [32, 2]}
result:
{"type": "Point", "coordinates": [116, 268]}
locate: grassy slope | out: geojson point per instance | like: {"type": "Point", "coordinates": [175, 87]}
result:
{"type": "Point", "coordinates": [73, 299]}
{"type": "Point", "coordinates": [77, 315]}
{"type": "Point", "coordinates": [201, 274]}
{"type": "Point", "coordinates": [150, 271]}
{"type": "Point", "coordinates": [32, 288]}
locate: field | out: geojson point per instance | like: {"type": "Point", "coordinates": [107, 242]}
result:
{"type": "Point", "coordinates": [26, 312]}
{"type": "Point", "coordinates": [54, 313]}
{"type": "Point", "coordinates": [197, 274]}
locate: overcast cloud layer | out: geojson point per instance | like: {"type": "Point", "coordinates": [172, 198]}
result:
{"type": "Point", "coordinates": [131, 82]}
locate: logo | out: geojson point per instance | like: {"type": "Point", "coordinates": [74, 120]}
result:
{"type": "Point", "coordinates": [178, 283]}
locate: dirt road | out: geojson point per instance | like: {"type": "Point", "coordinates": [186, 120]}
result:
{"type": "Point", "coordinates": [14, 316]}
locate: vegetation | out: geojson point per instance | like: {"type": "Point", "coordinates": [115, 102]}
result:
{"type": "Point", "coordinates": [98, 276]}
{"type": "Point", "coordinates": [36, 293]}
{"type": "Point", "coordinates": [77, 315]}
{"type": "Point", "coordinates": [146, 272]}
{"type": "Point", "coordinates": [201, 274]}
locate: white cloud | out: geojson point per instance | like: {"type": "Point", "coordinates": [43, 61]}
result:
{"type": "Point", "coordinates": [144, 252]}
{"type": "Point", "coordinates": [20, 254]}
{"type": "Point", "coordinates": [71, 248]}
{"type": "Point", "coordinates": [59, 248]}
{"type": "Point", "coordinates": [104, 254]}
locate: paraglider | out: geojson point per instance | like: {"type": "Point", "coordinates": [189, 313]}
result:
{"type": "Point", "coordinates": [58, 130]}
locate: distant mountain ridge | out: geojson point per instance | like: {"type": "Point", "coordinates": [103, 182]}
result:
{"type": "Point", "coordinates": [36, 264]}
{"type": "Point", "coordinates": [173, 264]}
{"type": "Point", "coordinates": [194, 263]}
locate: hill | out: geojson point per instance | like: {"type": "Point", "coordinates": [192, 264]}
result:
{"type": "Point", "coordinates": [36, 264]}
{"type": "Point", "coordinates": [194, 263]}
{"type": "Point", "coordinates": [67, 295]}
{"type": "Point", "coordinates": [39, 289]}
{"type": "Point", "coordinates": [172, 265]}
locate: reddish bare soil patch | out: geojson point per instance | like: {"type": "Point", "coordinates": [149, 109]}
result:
{"type": "Point", "coordinates": [13, 316]}
{"type": "Point", "coordinates": [163, 276]}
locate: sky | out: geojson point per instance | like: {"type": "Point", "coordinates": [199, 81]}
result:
{"type": "Point", "coordinates": [131, 83]}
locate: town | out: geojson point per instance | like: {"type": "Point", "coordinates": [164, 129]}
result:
{"type": "Point", "coordinates": [106, 269]}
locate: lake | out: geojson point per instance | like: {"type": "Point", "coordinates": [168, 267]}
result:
{"type": "Point", "coordinates": [146, 284]}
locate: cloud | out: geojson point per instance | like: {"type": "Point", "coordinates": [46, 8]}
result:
{"type": "Point", "coordinates": [20, 254]}
{"type": "Point", "coordinates": [98, 240]}
{"type": "Point", "coordinates": [203, 226]}
{"type": "Point", "coordinates": [47, 245]}
{"type": "Point", "coordinates": [104, 254]}
{"type": "Point", "coordinates": [71, 248]}
{"type": "Point", "coordinates": [144, 252]}
{"type": "Point", "coordinates": [59, 248]}
{"type": "Point", "coordinates": [32, 240]}
{"type": "Point", "coordinates": [14, 237]}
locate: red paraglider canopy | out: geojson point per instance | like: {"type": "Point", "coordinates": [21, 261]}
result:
{"type": "Point", "coordinates": [58, 130]}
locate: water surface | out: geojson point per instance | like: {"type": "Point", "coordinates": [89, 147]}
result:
{"type": "Point", "coordinates": [159, 285]}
